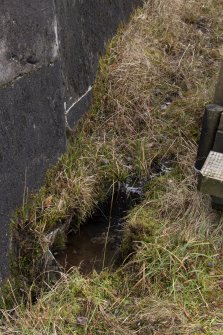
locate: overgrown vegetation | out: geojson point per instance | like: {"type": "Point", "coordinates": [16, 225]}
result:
{"type": "Point", "coordinates": [158, 73]}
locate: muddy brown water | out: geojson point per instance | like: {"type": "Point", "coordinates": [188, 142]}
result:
{"type": "Point", "coordinates": [96, 245]}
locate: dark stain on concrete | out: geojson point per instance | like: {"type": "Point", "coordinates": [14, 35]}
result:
{"type": "Point", "coordinates": [32, 137]}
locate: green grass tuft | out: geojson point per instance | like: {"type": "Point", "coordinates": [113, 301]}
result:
{"type": "Point", "coordinates": [157, 75]}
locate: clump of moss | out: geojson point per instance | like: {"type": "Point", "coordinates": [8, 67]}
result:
{"type": "Point", "coordinates": [140, 225]}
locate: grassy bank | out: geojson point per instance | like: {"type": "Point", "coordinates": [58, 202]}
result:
{"type": "Point", "coordinates": [158, 73]}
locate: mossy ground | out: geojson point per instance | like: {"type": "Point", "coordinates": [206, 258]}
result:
{"type": "Point", "coordinates": [158, 73]}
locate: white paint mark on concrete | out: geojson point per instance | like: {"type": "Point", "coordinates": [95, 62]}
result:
{"type": "Point", "coordinates": [76, 102]}
{"type": "Point", "coordinates": [66, 122]}
{"type": "Point", "coordinates": [56, 43]}
{"type": "Point", "coordinates": [6, 69]}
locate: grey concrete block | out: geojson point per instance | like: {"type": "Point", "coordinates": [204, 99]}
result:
{"type": "Point", "coordinates": [218, 142]}
{"type": "Point", "coordinates": [217, 203]}
{"type": "Point", "coordinates": [84, 30]}
{"type": "Point", "coordinates": [211, 179]}
{"type": "Point", "coordinates": [210, 124]}
{"type": "Point", "coordinates": [218, 99]}
{"type": "Point", "coordinates": [212, 187]}
{"type": "Point", "coordinates": [78, 110]}
{"type": "Point", "coordinates": [28, 38]}
{"type": "Point", "coordinates": [32, 137]}
{"type": "Point", "coordinates": [220, 125]}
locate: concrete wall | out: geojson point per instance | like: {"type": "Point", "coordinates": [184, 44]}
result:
{"type": "Point", "coordinates": [49, 52]}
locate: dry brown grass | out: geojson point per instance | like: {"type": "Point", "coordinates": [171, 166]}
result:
{"type": "Point", "coordinates": [158, 74]}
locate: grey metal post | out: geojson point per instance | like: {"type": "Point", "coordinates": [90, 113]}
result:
{"type": "Point", "coordinates": [218, 100]}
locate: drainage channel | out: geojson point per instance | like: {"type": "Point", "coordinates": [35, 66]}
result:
{"type": "Point", "coordinates": [97, 244]}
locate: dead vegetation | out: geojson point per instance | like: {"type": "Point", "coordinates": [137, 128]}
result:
{"type": "Point", "coordinates": [159, 72]}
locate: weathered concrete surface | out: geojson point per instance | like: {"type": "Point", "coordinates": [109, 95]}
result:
{"type": "Point", "coordinates": [218, 143]}
{"type": "Point", "coordinates": [49, 51]}
{"type": "Point", "coordinates": [32, 137]}
{"type": "Point", "coordinates": [218, 98]}
{"type": "Point", "coordinates": [28, 37]}
{"type": "Point", "coordinates": [210, 124]}
{"type": "Point", "coordinates": [84, 29]}
{"type": "Point", "coordinates": [77, 109]}
{"type": "Point", "coordinates": [212, 187]}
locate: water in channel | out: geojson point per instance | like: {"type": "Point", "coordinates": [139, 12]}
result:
{"type": "Point", "coordinates": [96, 245]}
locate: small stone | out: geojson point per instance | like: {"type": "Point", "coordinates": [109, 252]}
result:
{"type": "Point", "coordinates": [82, 321]}
{"type": "Point", "coordinates": [105, 161]}
{"type": "Point", "coordinates": [210, 264]}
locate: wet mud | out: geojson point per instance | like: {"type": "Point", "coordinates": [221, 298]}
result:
{"type": "Point", "coordinates": [97, 244]}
